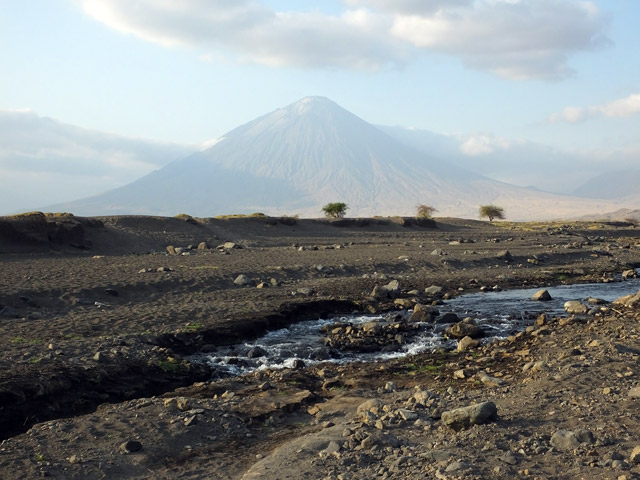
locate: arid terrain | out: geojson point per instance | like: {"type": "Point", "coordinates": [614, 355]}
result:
{"type": "Point", "coordinates": [99, 322]}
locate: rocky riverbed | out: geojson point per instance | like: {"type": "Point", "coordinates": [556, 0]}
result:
{"type": "Point", "coordinates": [100, 321]}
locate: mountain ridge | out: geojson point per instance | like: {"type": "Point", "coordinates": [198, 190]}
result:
{"type": "Point", "coordinates": [299, 157]}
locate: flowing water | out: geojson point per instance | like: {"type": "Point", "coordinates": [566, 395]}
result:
{"type": "Point", "coordinates": [499, 314]}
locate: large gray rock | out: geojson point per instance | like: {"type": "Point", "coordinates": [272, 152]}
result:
{"type": "Point", "coordinates": [575, 307]}
{"type": "Point", "coordinates": [628, 300]}
{"type": "Point", "coordinates": [433, 290]}
{"type": "Point", "coordinates": [390, 290]}
{"type": "Point", "coordinates": [422, 313]}
{"type": "Point", "coordinates": [564, 440]}
{"type": "Point", "coordinates": [568, 440]}
{"type": "Point", "coordinates": [465, 417]}
{"type": "Point", "coordinates": [542, 295]}
{"type": "Point", "coordinates": [242, 280]}
{"type": "Point", "coordinates": [464, 329]}
{"type": "Point", "coordinates": [393, 287]}
{"type": "Point", "coordinates": [467, 343]}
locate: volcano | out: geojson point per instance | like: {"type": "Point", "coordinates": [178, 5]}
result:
{"type": "Point", "coordinates": [298, 158]}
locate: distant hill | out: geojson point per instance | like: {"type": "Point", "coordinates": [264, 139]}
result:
{"type": "Point", "coordinates": [616, 184]}
{"type": "Point", "coordinates": [298, 158]}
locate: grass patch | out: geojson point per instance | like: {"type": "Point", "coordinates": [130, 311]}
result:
{"type": "Point", "coordinates": [193, 326]}
{"type": "Point", "coordinates": [241, 215]}
{"type": "Point", "coordinates": [72, 336]}
{"type": "Point", "coordinates": [172, 367]}
{"type": "Point", "coordinates": [416, 369]}
{"type": "Point", "coordinates": [25, 341]}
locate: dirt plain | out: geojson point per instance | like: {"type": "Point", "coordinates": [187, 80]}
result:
{"type": "Point", "coordinates": [98, 323]}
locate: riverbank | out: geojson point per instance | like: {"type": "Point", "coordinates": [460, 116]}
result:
{"type": "Point", "coordinates": [85, 326]}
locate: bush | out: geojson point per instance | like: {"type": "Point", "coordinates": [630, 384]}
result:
{"type": "Point", "coordinates": [186, 218]}
{"type": "Point", "coordinates": [335, 210]}
{"type": "Point", "coordinates": [425, 211]}
{"type": "Point", "coordinates": [491, 212]}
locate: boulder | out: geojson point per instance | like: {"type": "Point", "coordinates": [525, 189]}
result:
{"type": "Point", "coordinates": [393, 287]}
{"type": "Point", "coordinates": [464, 329]}
{"type": "Point", "coordinates": [433, 290]}
{"type": "Point", "coordinates": [449, 317]}
{"type": "Point", "coordinates": [564, 440]}
{"type": "Point", "coordinates": [373, 405]}
{"type": "Point", "coordinates": [228, 246]}
{"type": "Point", "coordinates": [379, 292]}
{"type": "Point", "coordinates": [575, 307]}
{"type": "Point", "coordinates": [242, 280]}
{"type": "Point", "coordinates": [403, 303]}
{"type": "Point", "coordinates": [467, 343]}
{"type": "Point", "coordinates": [628, 300]}
{"type": "Point", "coordinates": [542, 295]}
{"type": "Point", "coordinates": [421, 315]}
{"type": "Point", "coordinates": [629, 274]}
{"type": "Point", "coordinates": [465, 417]}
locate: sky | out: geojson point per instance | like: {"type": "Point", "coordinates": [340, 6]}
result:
{"type": "Point", "coordinates": [564, 74]}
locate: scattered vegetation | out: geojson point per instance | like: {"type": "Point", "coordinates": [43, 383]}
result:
{"type": "Point", "coordinates": [193, 326]}
{"type": "Point", "coordinates": [186, 218]}
{"type": "Point", "coordinates": [425, 211]}
{"type": "Point", "coordinates": [241, 215]}
{"type": "Point", "coordinates": [491, 212]}
{"type": "Point", "coordinates": [171, 366]}
{"type": "Point", "coordinates": [335, 210]}
{"type": "Point", "coordinates": [416, 369]}
{"type": "Point", "coordinates": [25, 341]}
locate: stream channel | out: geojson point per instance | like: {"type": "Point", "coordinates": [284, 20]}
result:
{"type": "Point", "coordinates": [498, 313]}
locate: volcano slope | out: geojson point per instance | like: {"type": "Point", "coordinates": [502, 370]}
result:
{"type": "Point", "coordinates": [98, 321]}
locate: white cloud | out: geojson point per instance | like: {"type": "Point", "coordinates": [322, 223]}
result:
{"type": "Point", "coordinates": [482, 144]}
{"type": "Point", "coordinates": [417, 7]}
{"type": "Point", "coordinates": [516, 39]}
{"type": "Point", "coordinates": [356, 39]}
{"type": "Point", "coordinates": [43, 161]}
{"type": "Point", "coordinates": [513, 39]}
{"type": "Point", "coordinates": [624, 107]}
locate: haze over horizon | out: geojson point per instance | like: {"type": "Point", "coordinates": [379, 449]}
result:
{"type": "Point", "coordinates": [542, 93]}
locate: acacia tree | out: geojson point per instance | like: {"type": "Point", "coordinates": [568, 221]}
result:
{"type": "Point", "coordinates": [425, 211]}
{"type": "Point", "coordinates": [335, 210]}
{"type": "Point", "coordinates": [491, 212]}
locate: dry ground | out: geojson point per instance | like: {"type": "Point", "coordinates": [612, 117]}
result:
{"type": "Point", "coordinates": [89, 321]}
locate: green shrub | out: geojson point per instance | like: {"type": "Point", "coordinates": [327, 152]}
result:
{"type": "Point", "coordinates": [491, 212]}
{"type": "Point", "coordinates": [425, 211]}
{"type": "Point", "coordinates": [335, 210]}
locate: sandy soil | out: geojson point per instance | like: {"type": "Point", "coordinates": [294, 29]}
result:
{"type": "Point", "coordinates": [97, 322]}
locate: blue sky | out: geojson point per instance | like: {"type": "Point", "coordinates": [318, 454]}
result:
{"type": "Point", "coordinates": [562, 73]}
